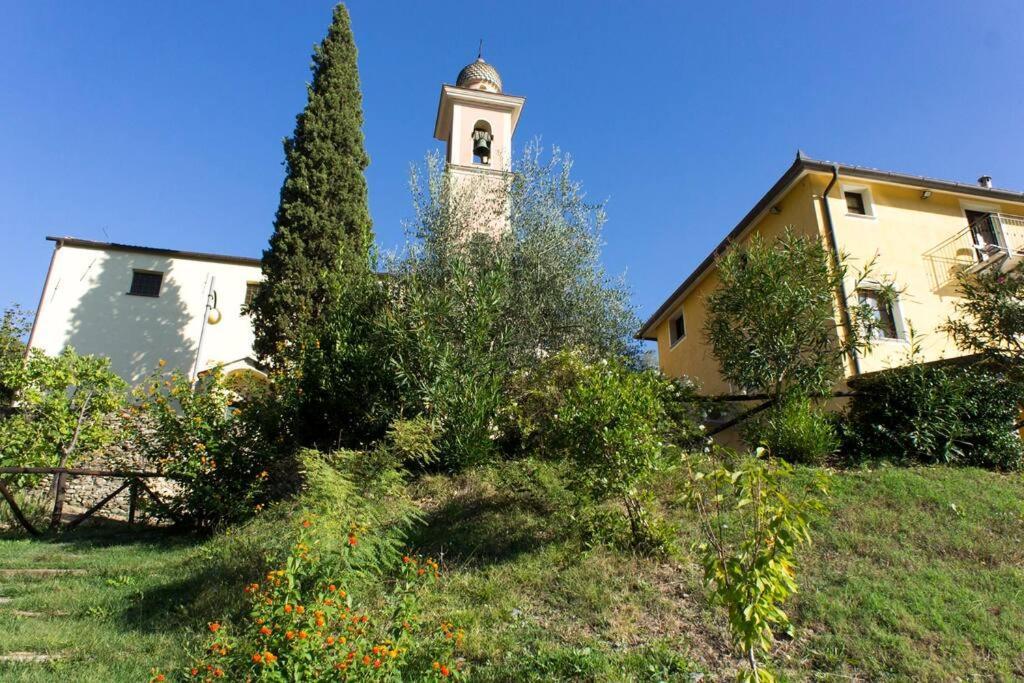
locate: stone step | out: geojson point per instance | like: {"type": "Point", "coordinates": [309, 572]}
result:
{"type": "Point", "coordinates": [41, 572]}
{"type": "Point", "coordinates": [30, 657]}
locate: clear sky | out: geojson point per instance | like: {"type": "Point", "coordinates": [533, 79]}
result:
{"type": "Point", "coordinates": [160, 123]}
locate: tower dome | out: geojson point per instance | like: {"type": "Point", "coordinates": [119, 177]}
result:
{"type": "Point", "coordinates": [479, 75]}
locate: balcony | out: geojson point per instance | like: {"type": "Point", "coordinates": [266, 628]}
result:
{"type": "Point", "coordinates": [995, 240]}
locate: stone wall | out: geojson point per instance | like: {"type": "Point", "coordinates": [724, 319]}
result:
{"type": "Point", "coordinates": [85, 491]}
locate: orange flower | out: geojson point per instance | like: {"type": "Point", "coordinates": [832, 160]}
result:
{"type": "Point", "coordinates": [194, 672]}
{"type": "Point", "coordinates": [332, 588]}
{"type": "Point", "coordinates": [437, 665]}
{"type": "Point", "coordinates": [218, 672]}
{"type": "Point", "coordinates": [265, 631]}
{"type": "Point", "coordinates": [288, 608]}
{"type": "Point", "coordinates": [376, 664]}
{"type": "Point", "coordinates": [444, 670]}
{"type": "Point", "coordinates": [405, 559]}
{"type": "Point", "coordinates": [214, 627]}
{"type": "Point", "coordinates": [303, 635]}
{"type": "Point", "coordinates": [330, 640]}
{"type": "Point", "coordinates": [289, 634]}
{"type": "Point", "coordinates": [300, 609]}
{"type": "Point", "coordinates": [366, 660]}
{"type": "Point", "coordinates": [306, 523]}
{"type": "Point", "coordinates": [159, 678]}
{"type": "Point", "coordinates": [257, 658]}
{"type": "Point", "coordinates": [269, 657]}
{"type": "Point", "coordinates": [351, 540]}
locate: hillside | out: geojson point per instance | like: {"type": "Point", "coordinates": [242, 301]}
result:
{"type": "Point", "coordinates": [915, 573]}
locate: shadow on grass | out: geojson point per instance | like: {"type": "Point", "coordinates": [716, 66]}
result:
{"type": "Point", "coordinates": [482, 528]}
{"type": "Point", "coordinates": [189, 603]}
{"type": "Point", "coordinates": [108, 533]}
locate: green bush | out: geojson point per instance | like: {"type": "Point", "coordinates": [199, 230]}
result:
{"type": "Point", "coordinates": [618, 427]}
{"type": "Point", "coordinates": [796, 431]}
{"type": "Point", "coordinates": [197, 436]}
{"type": "Point", "coordinates": [937, 414]}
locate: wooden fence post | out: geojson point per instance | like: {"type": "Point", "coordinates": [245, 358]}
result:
{"type": "Point", "coordinates": [133, 501]}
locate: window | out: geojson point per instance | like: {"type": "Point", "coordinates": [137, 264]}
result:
{"type": "Point", "coordinates": [146, 283]}
{"type": "Point", "coordinates": [677, 328]}
{"type": "Point", "coordinates": [250, 293]}
{"type": "Point", "coordinates": [855, 203]}
{"type": "Point", "coordinates": [882, 311]}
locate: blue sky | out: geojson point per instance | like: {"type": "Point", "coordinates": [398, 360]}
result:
{"type": "Point", "coordinates": [161, 123]}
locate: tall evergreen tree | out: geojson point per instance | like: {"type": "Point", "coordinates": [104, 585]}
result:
{"type": "Point", "coordinates": [322, 229]}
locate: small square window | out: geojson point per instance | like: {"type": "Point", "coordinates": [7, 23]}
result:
{"type": "Point", "coordinates": [146, 283]}
{"type": "Point", "coordinates": [882, 312]}
{"type": "Point", "coordinates": [855, 203]}
{"type": "Point", "coordinates": [250, 293]}
{"type": "Point", "coordinates": [677, 328]}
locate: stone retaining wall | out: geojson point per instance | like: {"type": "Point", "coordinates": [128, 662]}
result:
{"type": "Point", "coordinates": [84, 491]}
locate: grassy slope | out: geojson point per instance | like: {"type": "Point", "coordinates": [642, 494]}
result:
{"type": "Point", "coordinates": [899, 583]}
{"type": "Point", "coordinates": [110, 623]}
{"type": "Point", "coordinates": [919, 573]}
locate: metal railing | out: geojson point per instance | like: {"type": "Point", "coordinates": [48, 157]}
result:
{"type": "Point", "coordinates": [992, 239]}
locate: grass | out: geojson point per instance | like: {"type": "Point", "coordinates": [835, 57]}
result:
{"type": "Point", "coordinates": [915, 574]}
{"type": "Point", "coordinates": [105, 623]}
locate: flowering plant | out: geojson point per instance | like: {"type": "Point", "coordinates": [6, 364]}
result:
{"type": "Point", "coordinates": [197, 434]}
{"type": "Point", "coordinates": [306, 623]}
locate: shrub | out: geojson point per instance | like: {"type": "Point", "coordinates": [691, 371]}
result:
{"type": "Point", "coordinates": [194, 434]}
{"type": "Point", "coordinates": [614, 424]}
{"type": "Point", "coordinates": [309, 620]}
{"type": "Point", "coordinates": [751, 523]}
{"type": "Point", "coordinates": [937, 414]}
{"type": "Point", "coordinates": [13, 329]}
{"type": "Point", "coordinates": [795, 430]}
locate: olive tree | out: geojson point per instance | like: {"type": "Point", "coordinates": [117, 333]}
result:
{"type": "Point", "coordinates": [773, 326]}
{"type": "Point", "coordinates": [496, 274]}
{"type": "Point", "coordinates": [772, 321]}
{"type": "Point", "coordinates": [990, 317]}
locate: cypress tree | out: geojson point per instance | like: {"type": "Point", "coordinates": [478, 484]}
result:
{"type": "Point", "coordinates": [322, 229]}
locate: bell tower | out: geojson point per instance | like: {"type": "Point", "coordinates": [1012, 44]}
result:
{"type": "Point", "coordinates": [477, 120]}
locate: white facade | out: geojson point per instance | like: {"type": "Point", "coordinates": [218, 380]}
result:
{"type": "Point", "coordinates": [86, 304]}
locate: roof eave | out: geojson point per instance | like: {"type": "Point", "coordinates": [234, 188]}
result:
{"type": "Point", "coordinates": [155, 251]}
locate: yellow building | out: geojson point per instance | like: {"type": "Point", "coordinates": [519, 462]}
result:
{"type": "Point", "coordinates": [920, 231]}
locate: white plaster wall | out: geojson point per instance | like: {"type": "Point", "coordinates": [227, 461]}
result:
{"type": "Point", "coordinates": [85, 304]}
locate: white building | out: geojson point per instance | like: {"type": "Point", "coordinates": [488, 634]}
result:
{"type": "Point", "coordinates": [140, 305]}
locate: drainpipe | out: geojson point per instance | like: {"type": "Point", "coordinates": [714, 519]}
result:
{"type": "Point", "coordinates": [844, 309]}
{"type": "Point", "coordinates": [211, 303]}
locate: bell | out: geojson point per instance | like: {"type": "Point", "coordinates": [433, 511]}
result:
{"type": "Point", "coordinates": [482, 145]}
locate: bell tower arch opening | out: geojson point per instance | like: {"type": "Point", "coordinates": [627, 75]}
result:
{"type": "Point", "coordinates": [482, 138]}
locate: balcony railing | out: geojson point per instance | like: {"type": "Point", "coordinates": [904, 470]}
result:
{"type": "Point", "coordinates": [995, 240]}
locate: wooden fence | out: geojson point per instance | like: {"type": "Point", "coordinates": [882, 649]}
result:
{"type": "Point", "coordinates": [134, 481]}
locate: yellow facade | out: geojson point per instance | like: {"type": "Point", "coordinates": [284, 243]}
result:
{"type": "Point", "coordinates": [914, 231]}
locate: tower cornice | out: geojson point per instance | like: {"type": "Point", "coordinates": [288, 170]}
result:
{"type": "Point", "coordinates": [451, 95]}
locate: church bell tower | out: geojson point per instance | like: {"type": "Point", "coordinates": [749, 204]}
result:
{"type": "Point", "coordinates": [477, 120]}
